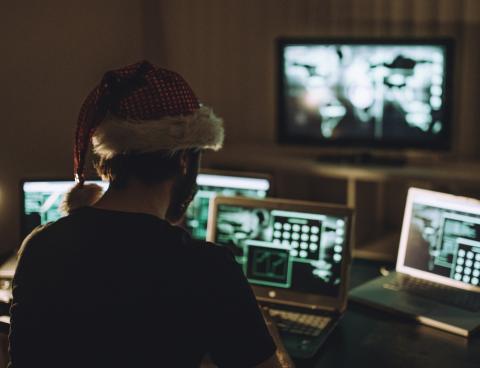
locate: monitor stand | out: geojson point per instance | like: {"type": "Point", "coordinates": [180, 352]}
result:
{"type": "Point", "coordinates": [362, 158]}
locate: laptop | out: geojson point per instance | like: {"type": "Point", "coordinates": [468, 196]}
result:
{"type": "Point", "coordinates": [296, 256]}
{"type": "Point", "coordinates": [225, 183]}
{"type": "Point", "coordinates": [437, 276]}
{"type": "Point", "coordinates": [41, 199]}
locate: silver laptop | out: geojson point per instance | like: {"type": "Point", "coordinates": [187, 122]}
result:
{"type": "Point", "coordinates": [437, 278]}
{"type": "Point", "coordinates": [296, 256]}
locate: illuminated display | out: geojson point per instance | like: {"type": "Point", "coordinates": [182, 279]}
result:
{"type": "Point", "coordinates": [210, 185]}
{"type": "Point", "coordinates": [445, 242]}
{"type": "Point", "coordinates": [285, 249]}
{"type": "Point", "coordinates": [394, 93]}
{"type": "Point", "coordinates": [42, 199]}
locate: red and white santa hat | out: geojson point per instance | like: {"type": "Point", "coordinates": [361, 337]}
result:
{"type": "Point", "coordinates": [139, 109]}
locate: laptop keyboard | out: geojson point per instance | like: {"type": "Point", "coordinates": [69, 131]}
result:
{"type": "Point", "coordinates": [445, 294]}
{"type": "Point", "coordinates": [299, 323]}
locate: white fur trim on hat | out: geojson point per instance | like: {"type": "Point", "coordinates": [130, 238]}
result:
{"type": "Point", "coordinates": [81, 195]}
{"type": "Point", "coordinates": [202, 129]}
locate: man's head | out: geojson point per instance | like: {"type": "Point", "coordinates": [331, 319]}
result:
{"type": "Point", "coordinates": [154, 169]}
{"type": "Point", "coordinates": [144, 123]}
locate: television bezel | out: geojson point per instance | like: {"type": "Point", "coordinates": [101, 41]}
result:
{"type": "Point", "coordinates": [443, 144]}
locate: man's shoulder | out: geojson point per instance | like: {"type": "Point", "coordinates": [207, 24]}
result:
{"type": "Point", "coordinates": [34, 236]}
{"type": "Point", "coordinates": [45, 233]}
{"type": "Point", "coordinates": [214, 252]}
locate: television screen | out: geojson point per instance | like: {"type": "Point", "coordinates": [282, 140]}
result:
{"type": "Point", "coordinates": [365, 93]}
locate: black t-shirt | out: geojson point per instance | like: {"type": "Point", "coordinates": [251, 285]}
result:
{"type": "Point", "coordinates": [104, 288]}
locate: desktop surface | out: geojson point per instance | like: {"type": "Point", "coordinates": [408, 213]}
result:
{"type": "Point", "coordinates": [366, 337]}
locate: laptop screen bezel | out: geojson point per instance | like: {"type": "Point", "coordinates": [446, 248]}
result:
{"type": "Point", "coordinates": [280, 295]}
{"type": "Point", "coordinates": [437, 200]}
{"type": "Point", "coordinates": [238, 175]}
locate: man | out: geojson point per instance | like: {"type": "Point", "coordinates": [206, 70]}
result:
{"type": "Point", "coordinates": [115, 283]}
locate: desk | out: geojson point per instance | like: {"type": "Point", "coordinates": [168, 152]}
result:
{"type": "Point", "coordinates": [369, 338]}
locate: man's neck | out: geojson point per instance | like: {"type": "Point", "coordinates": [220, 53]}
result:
{"type": "Point", "coordinates": [137, 197]}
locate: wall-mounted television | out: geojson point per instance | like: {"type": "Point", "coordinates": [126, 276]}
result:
{"type": "Point", "coordinates": [370, 93]}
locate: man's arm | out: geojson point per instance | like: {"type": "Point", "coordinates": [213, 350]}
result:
{"type": "Point", "coordinates": [238, 335]}
{"type": "Point", "coordinates": [281, 358]}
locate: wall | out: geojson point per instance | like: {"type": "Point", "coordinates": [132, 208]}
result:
{"type": "Point", "coordinates": [225, 49]}
{"type": "Point", "coordinates": [53, 53]}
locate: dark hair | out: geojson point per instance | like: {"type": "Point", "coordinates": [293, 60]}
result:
{"type": "Point", "coordinates": [149, 168]}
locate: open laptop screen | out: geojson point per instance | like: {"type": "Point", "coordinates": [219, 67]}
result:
{"type": "Point", "coordinates": [286, 249]}
{"type": "Point", "coordinates": [441, 237]}
{"type": "Point", "coordinates": [41, 201]}
{"type": "Point", "coordinates": [210, 185]}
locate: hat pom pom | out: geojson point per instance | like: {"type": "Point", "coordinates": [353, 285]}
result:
{"type": "Point", "coordinates": [81, 195]}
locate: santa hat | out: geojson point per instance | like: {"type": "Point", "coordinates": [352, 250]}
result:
{"type": "Point", "coordinates": [139, 109]}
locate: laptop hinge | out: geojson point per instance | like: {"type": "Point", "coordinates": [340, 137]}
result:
{"type": "Point", "coordinates": [312, 307]}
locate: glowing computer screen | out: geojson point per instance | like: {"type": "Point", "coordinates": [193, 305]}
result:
{"type": "Point", "coordinates": [41, 201]}
{"type": "Point", "coordinates": [285, 249]}
{"type": "Point", "coordinates": [210, 185]}
{"type": "Point", "coordinates": [382, 93]}
{"type": "Point", "coordinates": [444, 242]}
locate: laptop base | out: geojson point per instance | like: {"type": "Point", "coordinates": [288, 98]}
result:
{"type": "Point", "coordinates": [305, 347]}
{"type": "Point", "coordinates": [378, 294]}
{"type": "Point", "coordinates": [300, 345]}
